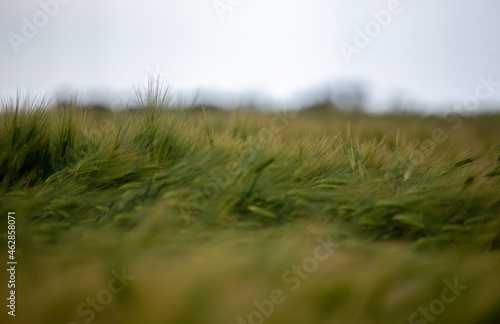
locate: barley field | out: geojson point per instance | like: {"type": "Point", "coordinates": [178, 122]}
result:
{"type": "Point", "coordinates": [172, 214]}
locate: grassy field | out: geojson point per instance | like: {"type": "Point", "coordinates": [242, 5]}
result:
{"type": "Point", "coordinates": [171, 215]}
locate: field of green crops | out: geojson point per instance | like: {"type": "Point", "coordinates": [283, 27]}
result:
{"type": "Point", "coordinates": [166, 214]}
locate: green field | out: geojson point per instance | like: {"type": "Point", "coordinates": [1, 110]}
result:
{"type": "Point", "coordinates": [166, 214]}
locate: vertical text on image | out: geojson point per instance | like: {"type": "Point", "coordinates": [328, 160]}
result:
{"type": "Point", "coordinates": [11, 263]}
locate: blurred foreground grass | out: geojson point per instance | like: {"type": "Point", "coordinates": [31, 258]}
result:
{"type": "Point", "coordinates": [212, 213]}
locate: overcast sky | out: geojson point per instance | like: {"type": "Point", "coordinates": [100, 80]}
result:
{"type": "Point", "coordinates": [426, 50]}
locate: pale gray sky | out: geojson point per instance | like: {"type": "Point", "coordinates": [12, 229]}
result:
{"type": "Point", "coordinates": [430, 51]}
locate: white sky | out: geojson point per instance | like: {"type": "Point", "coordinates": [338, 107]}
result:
{"type": "Point", "coordinates": [433, 51]}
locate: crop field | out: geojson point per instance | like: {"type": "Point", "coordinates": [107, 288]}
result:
{"type": "Point", "coordinates": [170, 214]}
